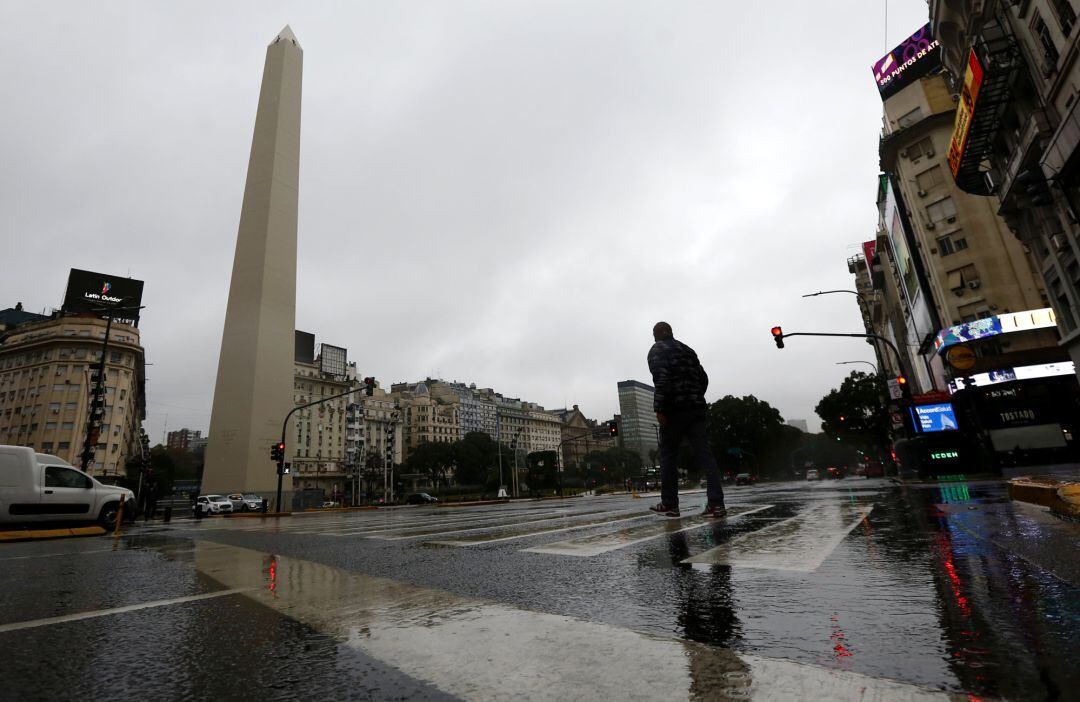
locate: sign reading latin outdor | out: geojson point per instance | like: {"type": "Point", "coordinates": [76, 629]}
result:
{"type": "Point", "coordinates": [973, 78]}
{"type": "Point", "coordinates": [88, 291]}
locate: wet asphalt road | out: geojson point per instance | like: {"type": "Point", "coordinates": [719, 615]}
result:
{"type": "Point", "coordinates": [833, 590]}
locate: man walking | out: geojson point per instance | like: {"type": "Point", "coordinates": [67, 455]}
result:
{"type": "Point", "coordinates": [680, 406]}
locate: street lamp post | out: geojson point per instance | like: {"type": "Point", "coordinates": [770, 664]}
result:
{"type": "Point", "coordinates": [844, 363]}
{"type": "Point", "coordinates": [864, 309]}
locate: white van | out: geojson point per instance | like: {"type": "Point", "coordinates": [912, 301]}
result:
{"type": "Point", "coordinates": [37, 487]}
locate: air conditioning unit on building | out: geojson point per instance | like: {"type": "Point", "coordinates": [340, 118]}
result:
{"type": "Point", "coordinates": [903, 154]}
{"type": "Point", "coordinates": [930, 152]}
{"type": "Point", "coordinates": [974, 284]}
{"type": "Point", "coordinates": [952, 219]}
{"type": "Point", "coordinates": [930, 225]}
{"type": "Point", "coordinates": [922, 193]}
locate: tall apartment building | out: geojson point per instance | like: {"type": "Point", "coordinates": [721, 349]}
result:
{"type": "Point", "coordinates": [1014, 67]}
{"type": "Point", "coordinates": [953, 259]}
{"type": "Point", "coordinates": [948, 284]}
{"type": "Point", "coordinates": [45, 369]}
{"type": "Point", "coordinates": [638, 430]}
{"type": "Point", "coordinates": [184, 439]}
{"type": "Point", "coordinates": [315, 439]}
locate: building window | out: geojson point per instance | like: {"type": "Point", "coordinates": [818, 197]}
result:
{"type": "Point", "coordinates": [941, 210]}
{"type": "Point", "coordinates": [1050, 51]}
{"type": "Point", "coordinates": [1065, 15]}
{"type": "Point", "coordinates": [909, 118]}
{"type": "Point", "coordinates": [929, 178]}
{"type": "Point", "coordinates": [923, 147]}
{"type": "Point", "coordinates": [67, 425]}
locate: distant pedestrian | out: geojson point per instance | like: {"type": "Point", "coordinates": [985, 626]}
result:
{"type": "Point", "coordinates": [680, 406]}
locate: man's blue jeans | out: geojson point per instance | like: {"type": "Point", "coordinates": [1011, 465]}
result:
{"type": "Point", "coordinates": [686, 424]}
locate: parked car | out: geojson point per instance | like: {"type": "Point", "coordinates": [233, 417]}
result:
{"type": "Point", "coordinates": [39, 487]}
{"type": "Point", "coordinates": [212, 504]}
{"type": "Point", "coordinates": [330, 503]}
{"type": "Point", "coordinates": [812, 474]}
{"type": "Point", "coordinates": [245, 503]}
{"type": "Point", "coordinates": [420, 498]}
{"type": "Point", "coordinates": [745, 479]}
{"type": "Point", "coordinates": [835, 472]}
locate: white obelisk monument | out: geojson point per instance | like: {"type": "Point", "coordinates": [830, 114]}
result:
{"type": "Point", "coordinates": [254, 387]}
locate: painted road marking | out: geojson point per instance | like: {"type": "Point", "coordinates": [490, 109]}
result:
{"type": "Point", "coordinates": [439, 637]}
{"type": "Point", "coordinates": [540, 532]}
{"type": "Point", "coordinates": [34, 623]}
{"type": "Point", "coordinates": [493, 527]}
{"type": "Point", "coordinates": [434, 525]}
{"type": "Point", "coordinates": [597, 544]}
{"type": "Point", "coordinates": [800, 544]}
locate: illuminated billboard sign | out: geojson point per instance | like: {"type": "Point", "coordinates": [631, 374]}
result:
{"type": "Point", "coordinates": [869, 249]}
{"type": "Point", "coordinates": [931, 418]}
{"type": "Point", "coordinates": [1005, 375]}
{"type": "Point", "coordinates": [97, 292]}
{"type": "Point", "coordinates": [973, 78]}
{"type": "Point", "coordinates": [992, 326]}
{"type": "Point", "coordinates": [912, 59]}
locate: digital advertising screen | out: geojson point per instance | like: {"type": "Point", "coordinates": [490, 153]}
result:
{"type": "Point", "coordinates": [88, 291]}
{"type": "Point", "coordinates": [931, 418]}
{"type": "Point", "coordinates": [912, 59]}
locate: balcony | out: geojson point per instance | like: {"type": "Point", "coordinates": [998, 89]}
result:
{"type": "Point", "coordinates": [1035, 133]}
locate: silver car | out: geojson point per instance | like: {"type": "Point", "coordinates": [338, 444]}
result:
{"type": "Point", "coordinates": [212, 504]}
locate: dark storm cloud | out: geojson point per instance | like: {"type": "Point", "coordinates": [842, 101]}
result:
{"type": "Point", "coordinates": [508, 193]}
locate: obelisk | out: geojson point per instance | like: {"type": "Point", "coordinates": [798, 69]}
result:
{"type": "Point", "coordinates": [254, 387]}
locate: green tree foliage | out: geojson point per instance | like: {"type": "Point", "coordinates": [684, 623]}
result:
{"type": "Point", "coordinates": [168, 465]}
{"type": "Point", "coordinates": [855, 412]}
{"type": "Point", "coordinates": [542, 469]}
{"type": "Point", "coordinates": [747, 434]}
{"type": "Point", "coordinates": [434, 460]}
{"type": "Point", "coordinates": [476, 459]}
{"type": "Point", "coordinates": [610, 467]}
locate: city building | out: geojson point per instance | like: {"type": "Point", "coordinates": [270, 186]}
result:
{"type": "Point", "coordinates": [1014, 71]}
{"type": "Point", "coordinates": [374, 443]}
{"type": "Point", "coordinates": [581, 435]}
{"type": "Point", "coordinates": [46, 369]}
{"type": "Point", "coordinates": [315, 442]}
{"type": "Point", "coordinates": [184, 440]}
{"type": "Point", "coordinates": [638, 430]}
{"type": "Point", "coordinates": [954, 258]}
{"type": "Point", "coordinates": [522, 425]}
{"type": "Point", "coordinates": [799, 424]}
{"type": "Point", "coordinates": [251, 394]}
{"type": "Point", "coordinates": [960, 302]}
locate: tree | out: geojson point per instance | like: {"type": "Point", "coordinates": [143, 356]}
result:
{"type": "Point", "coordinates": [855, 413]}
{"type": "Point", "coordinates": [542, 469]}
{"type": "Point", "coordinates": [432, 459]}
{"type": "Point", "coordinates": [476, 459]}
{"type": "Point", "coordinates": [749, 434]}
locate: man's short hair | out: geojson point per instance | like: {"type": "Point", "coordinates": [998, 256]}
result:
{"type": "Point", "coordinates": [662, 330]}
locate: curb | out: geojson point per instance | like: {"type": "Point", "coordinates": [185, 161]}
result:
{"type": "Point", "coordinates": [251, 515]}
{"type": "Point", "coordinates": [42, 534]}
{"type": "Point", "coordinates": [1061, 497]}
{"type": "Point", "coordinates": [474, 504]}
{"type": "Point", "coordinates": [338, 509]}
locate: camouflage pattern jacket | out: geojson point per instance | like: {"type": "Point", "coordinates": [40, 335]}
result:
{"type": "Point", "coordinates": [679, 379]}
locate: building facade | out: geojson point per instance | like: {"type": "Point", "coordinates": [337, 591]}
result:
{"type": "Point", "coordinates": [581, 436]}
{"type": "Point", "coordinates": [185, 440]}
{"type": "Point", "coordinates": [45, 379]}
{"type": "Point", "coordinates": [315, 441]}
{"type": "Point", "coordinates": [638, 430]}
{"type": "Point", "coordinates": [1014, 67]}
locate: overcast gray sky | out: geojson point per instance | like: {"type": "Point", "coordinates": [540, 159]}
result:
{"type": "Point", "coordinates": [500, 192]}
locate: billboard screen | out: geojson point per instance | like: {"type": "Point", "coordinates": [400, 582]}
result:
{"type": "Point", "coordinates": [332, 360]}
{"type": "Point", "coordinates": [931, 418]}
{"type": "Point", "coordinates": [914, 58]}
{"type": "Point", "coordinates": [973, 77]}
{"type": "Point", "coordinates": [304, 346]}
{"type": "Point", "coordinates": [88, 291]}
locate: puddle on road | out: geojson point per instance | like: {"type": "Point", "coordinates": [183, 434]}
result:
{"type": "Point", "coordinates": [482, 650]}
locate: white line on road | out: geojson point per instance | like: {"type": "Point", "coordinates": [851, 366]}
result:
{"type": "Point", "coordinates": [34, 623]}
{"type": "Point", "coordinates": [801, 543]}
{"type": "Point", "coordinates": [602, 543]}
{"type": "Point", "coordinates": [541, 532]}
{"type": "Point", "coordinates": [492, 527]}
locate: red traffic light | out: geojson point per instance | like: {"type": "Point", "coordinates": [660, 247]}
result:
{"type": "Point", "coordinates": [778, 336]}
{"type": "Point", "coordinates": [901, 379]}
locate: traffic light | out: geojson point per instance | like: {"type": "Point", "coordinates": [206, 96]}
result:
{"type": "Point", "coordinates": [778, 337]}
{"type": "Point", "coordinates": [369, 386]}
{"type": "Point", "coordinates": [613, 427]}
{"type": "Point", "coordinates": [277, 452]}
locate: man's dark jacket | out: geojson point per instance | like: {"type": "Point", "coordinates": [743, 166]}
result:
{"type": "Point", "coordinates": [679, 379]}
